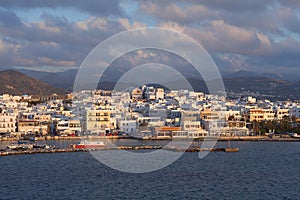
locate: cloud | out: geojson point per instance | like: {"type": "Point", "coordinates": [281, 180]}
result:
{"type": "Point", "coordinates": [238, 34]}
{"type": "Point", "coordinates": [54, 41]}
{"type": "Point", "coordinates": [173, 13]}
{"type": "Point", "coordinates": [284, 53]}
{"type": "Point", "coordinates": [9, 19]}
{"type": "Point", "coordinates": [94, 7]}
{"type": "Point", "coordinates": [8, 51]}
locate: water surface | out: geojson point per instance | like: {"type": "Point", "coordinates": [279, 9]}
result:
{"type": "Point", "coordinates": [264, 170]}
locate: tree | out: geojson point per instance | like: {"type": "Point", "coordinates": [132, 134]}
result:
{"type": "Point", "coordinates": [231, 118]}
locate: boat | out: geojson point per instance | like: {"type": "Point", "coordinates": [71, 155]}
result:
{"type": "Point", "coordinates": [232, 150]}
{"type": "Point", "coordinates": [22, 142]}
{"type": "Point", "coordinates": [295, 135]}
{"type": "Point", "coordinates": [89, 144]}
{"type": "Point", "coordinates": [42, 146]}
{"type": "Point", "coordinates": [229, 149]}
{"type": "Point", "coordinates": [32, 139]}
{"type": "Point", "coordinates": [19, 146]}
{"type": "Point", "coordinates": [12, 146]}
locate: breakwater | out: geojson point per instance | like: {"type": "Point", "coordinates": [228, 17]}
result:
{"type": "Point", "coordinates": [139, 147]}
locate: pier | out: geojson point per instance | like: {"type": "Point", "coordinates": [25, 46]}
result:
{"type": "Point", "coordinates": [4, 152]}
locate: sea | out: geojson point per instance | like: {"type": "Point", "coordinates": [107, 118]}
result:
{"type": "Point", "coordinates": [260, 170]}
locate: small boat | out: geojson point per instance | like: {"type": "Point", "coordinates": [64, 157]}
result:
{"type": "Point", "coordinates": [12, 146]}
{"type": "Point", "coordinates": [295, 135]}
{"type": "Point", "coordinates": [33, 139]}
{"type": "Point", "coordinates": [42, 146]}
{"type": "Point", "coordinates": [19, 147]}
{"type": "Point", "coordinates": [229, 149]}
{"type": "Point", "coordinates": [89, 144]}
{"type": "Point", "coordinates": [22, 142]}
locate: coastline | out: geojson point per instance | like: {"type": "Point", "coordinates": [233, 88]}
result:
{"type": "Point", "coordinates": [233, 138]}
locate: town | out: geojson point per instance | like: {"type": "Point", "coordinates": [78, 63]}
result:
{"type": "Point", "coordinates": [146, 112]}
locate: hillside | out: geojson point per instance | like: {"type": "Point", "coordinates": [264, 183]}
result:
{"type": "Point", "coordinates": [16, 83]}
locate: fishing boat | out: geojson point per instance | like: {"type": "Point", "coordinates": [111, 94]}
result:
{"type": "Point", "coordinates": [89, 144]}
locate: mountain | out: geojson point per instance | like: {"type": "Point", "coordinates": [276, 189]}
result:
{"type": "Point", "coordinates": [248, 74]}
{"type": "Point", "coordinates": [254, 84]}
{"type": "Point", "coordinates": [63, 79]}
{"type": "Point", "coordinates": [33, 73]}
{"type": "Point", "coordinates": [59, 81]}
{"type": "Point", "coordinates": [238, 83]}
{"type": "Point", "coordinates": [17, 83]}
{"type": "Point", "coordinates": [260, 87]}
{"type": "Point", "coordinates": [272, 89]}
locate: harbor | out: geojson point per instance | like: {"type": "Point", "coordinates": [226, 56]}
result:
{"type": "Point", "coordinates": [23, 147]}
{"type": "Point", "coordinates": [58, 144]}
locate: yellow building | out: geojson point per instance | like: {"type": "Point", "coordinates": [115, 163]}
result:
{"type": "Point", "coordinates": [26, 126]}
{"type": "Point", "coordinates": [259, 114]}
{"type": "Point", "coordinates": [99, 119]}
{"type": "Point", "coordinates": [208, 114]}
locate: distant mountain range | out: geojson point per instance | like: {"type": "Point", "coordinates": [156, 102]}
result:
{"type": "Point", "coordinates": [16, 83]}
{"type": "Point", "coordinates": [248, 74]}
{"type": "Point", "coordinates": [238, 83]}
{"type": "Point", "coordinates": [63, 79]}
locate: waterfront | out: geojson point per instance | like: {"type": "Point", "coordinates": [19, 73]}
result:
{"type": "Point", "coordinates": [259, 170]}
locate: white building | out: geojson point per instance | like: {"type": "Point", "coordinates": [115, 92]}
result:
{"type": "Point", "coordinates": [280, 113]}
{"type": "Point", "coordinates": [69, 127]}
{"type": "Point", "coordinates": [159, 93]}
{"type": "Point", "coordinates": [150, 93]}
{"type": "Point", "coordinates": [8, 123]}
{"type": "Point", "coordinates": [128, 126]}
{"type": "Point", "coordinates": [294, 112]}
{"type": "Point", "coordinates": [137, 93]}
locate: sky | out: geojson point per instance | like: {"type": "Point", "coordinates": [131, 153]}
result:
{"type": "Point", "coordinates": [251, 35]}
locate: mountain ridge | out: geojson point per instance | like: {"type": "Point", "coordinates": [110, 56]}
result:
{"type": "Point", "coordinates": [17, 83]}
{"type": "Point", "coordinates": [240, 83]}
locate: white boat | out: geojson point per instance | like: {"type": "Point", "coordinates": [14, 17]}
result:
{"type": "Point", "coordinates": [19, 146]}
{"type": "Point", "coordinates": [89, 144]}
{"type": "Point", "coordinates": [295, 135]}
